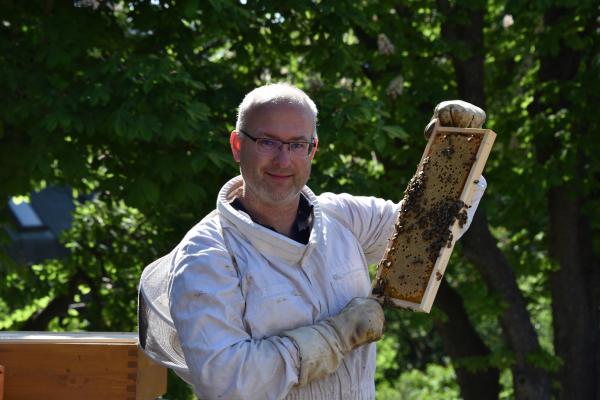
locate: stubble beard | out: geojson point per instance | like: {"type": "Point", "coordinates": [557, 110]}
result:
{"type": "Point", "coordinates": [259, 189]}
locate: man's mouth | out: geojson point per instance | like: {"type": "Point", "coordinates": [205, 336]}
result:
{"type": "Point", "coordinates": [277, 175]}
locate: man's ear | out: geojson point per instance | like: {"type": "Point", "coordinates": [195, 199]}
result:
{"type": "Point", "coordinates": [236, 145]}
{"type": "Point", "coordinates": [314, 150]}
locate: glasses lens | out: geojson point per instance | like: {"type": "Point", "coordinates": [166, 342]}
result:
{"type": "Point", "coordinates": [272, 147]}
{"type": "Point", "coordinates": [299, 148]}
{"type": "Point", "coordinates": [268, 146]}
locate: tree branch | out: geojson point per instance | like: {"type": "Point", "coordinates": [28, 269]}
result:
{"type": "Point", "coordinates": [58, 306]}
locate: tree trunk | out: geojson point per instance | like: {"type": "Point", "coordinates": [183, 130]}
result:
{"type": "Point", "coordinates": [460, 340]}
{"type": "Point", "coordinates": [458, 335]}
{"type": "Point", "coordinates": [591, 271]}
{"type": "Point", "coordinates": [464, 24]}
{"type": "Point", "coordinates": [572, 285]}
{"type": "Point", "coordinates": [573, 329]}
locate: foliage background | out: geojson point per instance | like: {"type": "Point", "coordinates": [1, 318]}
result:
{"type": "Point", "coordinates": [133, 102]}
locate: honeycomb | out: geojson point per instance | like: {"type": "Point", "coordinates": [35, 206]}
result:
{"type": "Point", "coordinates": [435, 203]}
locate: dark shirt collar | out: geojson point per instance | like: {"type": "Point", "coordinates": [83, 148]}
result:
{"type": "Point", "coordinates": [302, 224]}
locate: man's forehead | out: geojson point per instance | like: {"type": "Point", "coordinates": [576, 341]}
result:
{"type": "Point", "coordinates": [286, 113]}
{"type": "Point", "coordinates": [274, 108]}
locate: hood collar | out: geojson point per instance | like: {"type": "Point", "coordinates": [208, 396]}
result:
{"type": "Point", "coordinates": [268, 242]}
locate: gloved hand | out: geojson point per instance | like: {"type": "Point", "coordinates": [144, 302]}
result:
{"type": "Point", "coordinates": [456, 113]}
{"type": "Point", "coordinates": [322, 346]}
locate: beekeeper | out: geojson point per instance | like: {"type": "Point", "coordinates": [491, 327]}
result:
{"type": "Point", "coordinates": [268, 296]}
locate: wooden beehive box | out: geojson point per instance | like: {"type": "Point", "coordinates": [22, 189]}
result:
{"type": "Point", "coordinates": [89, 366]}
{"type": "Point", "coordinates": [433, 210]}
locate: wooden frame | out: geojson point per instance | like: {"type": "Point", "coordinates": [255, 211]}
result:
{"type": "Point", "coordinates": [433, 210]}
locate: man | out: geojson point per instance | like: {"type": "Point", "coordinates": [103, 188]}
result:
{"type": "Point", "coordinates": [267, 297]}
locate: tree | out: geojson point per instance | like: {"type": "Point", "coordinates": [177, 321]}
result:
{"type": "Point", "coordinates": [133, 101]}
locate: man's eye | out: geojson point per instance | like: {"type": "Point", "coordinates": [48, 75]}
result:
{"type": "Point", "coordinates": [298, 146]}
{"type": "Point", "coordinates": [268, 143]}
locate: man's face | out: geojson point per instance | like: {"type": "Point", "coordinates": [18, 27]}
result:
{"type": "Point", "coordinates": [272, 180]}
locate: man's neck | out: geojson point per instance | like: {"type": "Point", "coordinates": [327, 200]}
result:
{"type": "Point", "coordinates": [279, 216]}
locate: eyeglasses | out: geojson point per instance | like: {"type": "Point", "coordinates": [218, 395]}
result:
{"type": "Point", "coordinates": [271, 147]}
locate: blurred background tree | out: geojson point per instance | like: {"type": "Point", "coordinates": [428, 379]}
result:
{"type": "Point", "coordinates": [130, 103]}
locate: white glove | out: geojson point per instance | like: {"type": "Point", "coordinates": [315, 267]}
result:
{"type": "Point", "coordinates": [322, 346]}
{"type": "Point", "coordinates": [456, 113]}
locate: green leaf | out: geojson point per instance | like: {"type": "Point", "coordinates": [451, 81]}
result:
{"type": "Point", "coordinates": [396, 132]}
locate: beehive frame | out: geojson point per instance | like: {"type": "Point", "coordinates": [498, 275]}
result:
{"type": "Point", "coordinates": [433, 210]}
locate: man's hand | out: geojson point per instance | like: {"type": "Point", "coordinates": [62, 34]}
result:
{"type": "Point", "coordinates": [456, 113]}
{"type": "Point", "coordinates": [322, 346]}
{"type": "Point", "coordinates": [360, 322]}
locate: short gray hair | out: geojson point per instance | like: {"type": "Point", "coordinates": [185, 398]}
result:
{"type": "Point", "coordinates": [275, 93]}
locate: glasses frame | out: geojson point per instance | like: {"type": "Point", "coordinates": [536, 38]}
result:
{"type": "Point", "coordinates": [311, 144]}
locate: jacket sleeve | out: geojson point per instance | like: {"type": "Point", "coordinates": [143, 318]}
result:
{"type": "Point", "coordinates": [480, 187]}
{"type": "Point", "coordinates": [370, 219]}
{"type": "Point", "coordinates": [207, 307]}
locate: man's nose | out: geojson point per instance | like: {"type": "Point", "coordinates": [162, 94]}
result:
{"type": "Point", "coordinates": [284, 155]}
